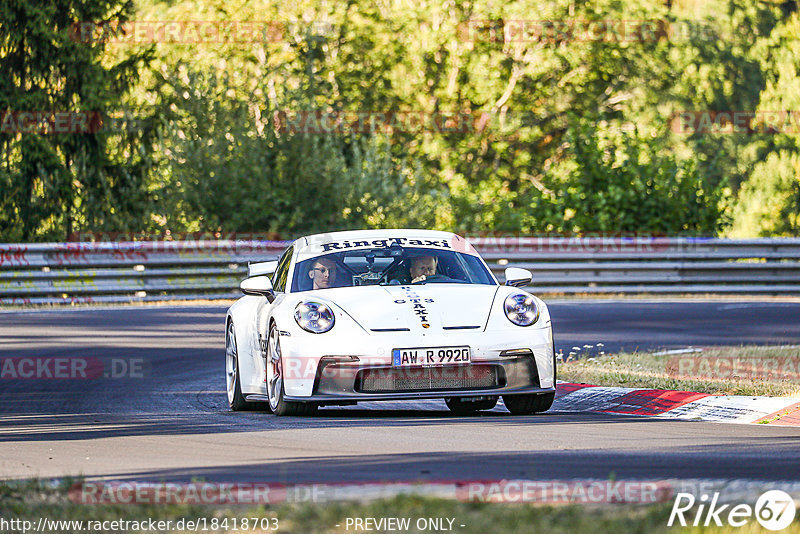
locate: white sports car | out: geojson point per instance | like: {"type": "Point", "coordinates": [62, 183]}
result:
{"type": "Point", "coordinates": [387, 315]}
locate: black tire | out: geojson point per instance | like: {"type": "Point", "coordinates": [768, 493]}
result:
{"type": "Point", "coordinates": [233, 384]}
{"type": "Point", "coordinates": [529, 403]}
{"type": "Point", "coordinates": [275, 391]}
{"type": "Point", "coordinates": [461, 407]}
{"type": "Point", "coordinates": [534, 402]}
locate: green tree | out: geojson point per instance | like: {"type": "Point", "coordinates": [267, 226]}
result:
{"type": "Point", "coordinates": [768, 203]}
{"type": "Point", "coordinates": [620, 182]}
{"type": "Point", "coordinates": [567, 134]}
{"type": "Point", "coordinates": [56, 183]}
{"type": "Point", "coordinates": [230, 171]}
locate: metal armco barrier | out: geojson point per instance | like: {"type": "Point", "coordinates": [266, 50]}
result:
{"type": "Point", "coordinates": [75, 273]}
{"type": "Point", "coordinates": [175, 270]}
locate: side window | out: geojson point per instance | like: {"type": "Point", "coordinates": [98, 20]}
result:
{"type": "Point", "coordinates": [282, 272]}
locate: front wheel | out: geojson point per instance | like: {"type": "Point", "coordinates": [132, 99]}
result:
{"type": "Point", "coordinates": [529, 403]}
{"type": "Point", "coordinates": [460, 406]}
{"type": "Point", "coordinates": [275, 390]}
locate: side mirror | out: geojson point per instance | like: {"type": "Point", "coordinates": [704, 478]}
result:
{"type": "Point", "coordinates": [258, 286]}
{"type": "Point", "coordinates": [518, 277]}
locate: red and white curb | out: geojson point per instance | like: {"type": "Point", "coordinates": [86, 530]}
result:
{"type": "Point", "coordinates": [777, 411]}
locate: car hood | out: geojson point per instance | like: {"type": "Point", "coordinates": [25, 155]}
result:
{"type": "Point", "coordinates": [423, 308]}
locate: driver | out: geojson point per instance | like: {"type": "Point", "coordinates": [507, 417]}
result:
{"type": "Point", "coordinates": [323, 273]}
{"type": "Point", "coordinates": [422, 267]}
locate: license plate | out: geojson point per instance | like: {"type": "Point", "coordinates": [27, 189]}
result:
{"type": "Point", "coordinates": [430, 356]}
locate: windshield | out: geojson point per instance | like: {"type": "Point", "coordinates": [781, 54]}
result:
{"type": "Point", "coordinates": [393, 265]}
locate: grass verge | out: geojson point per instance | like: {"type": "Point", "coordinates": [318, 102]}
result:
{"type": "Point", "coordinates": [744, 370]}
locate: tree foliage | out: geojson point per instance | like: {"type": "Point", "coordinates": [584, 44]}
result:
{"type": "Point", "coordinates": [625, 183]}
{"type": "Point", "coordinates": [567, 133]}
{"type": "Point", "coordinates": [769, 201]}
{"type": "Point", "coordinates": [55, 181]}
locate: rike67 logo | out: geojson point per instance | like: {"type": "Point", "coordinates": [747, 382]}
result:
{"type": "Point", "coordinates": [774, 510]}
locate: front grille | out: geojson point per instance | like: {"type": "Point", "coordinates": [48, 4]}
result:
{"type": "Point", "coordinates": [429, 378]}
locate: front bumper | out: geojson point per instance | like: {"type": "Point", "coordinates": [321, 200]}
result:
{"type": "Point", "coordinates": [349, 381]}
{"type": "Point", "coordinates": [348, 369]}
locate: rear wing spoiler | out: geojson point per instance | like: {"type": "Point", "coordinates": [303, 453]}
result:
{"type": "Point", "coordinates": [260, 268]}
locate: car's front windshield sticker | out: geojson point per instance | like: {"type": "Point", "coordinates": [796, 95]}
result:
{"type": "Point", "coordinates": [394, 241]}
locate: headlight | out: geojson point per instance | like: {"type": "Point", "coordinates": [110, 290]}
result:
{"type": "Point", "coordinates": [521, 309]}
{"type": "Point", "coordinates": [314, 317]}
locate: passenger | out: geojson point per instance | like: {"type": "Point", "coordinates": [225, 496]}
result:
{"type": "Point", "coordinates": [323, 273]}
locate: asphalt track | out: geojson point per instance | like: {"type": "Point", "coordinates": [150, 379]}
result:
{"type": "Point", "coordinates": [172, 423]}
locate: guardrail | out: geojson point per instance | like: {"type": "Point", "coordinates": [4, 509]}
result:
{"type": "Point", "coordinates": [173, 270]}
